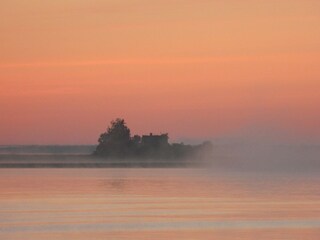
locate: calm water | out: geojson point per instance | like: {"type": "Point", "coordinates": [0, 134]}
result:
{"type": "Point", "coordinates": [157, 204]}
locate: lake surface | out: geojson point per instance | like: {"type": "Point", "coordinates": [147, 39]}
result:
{"type": "Point", "coordinates": [157, 204]}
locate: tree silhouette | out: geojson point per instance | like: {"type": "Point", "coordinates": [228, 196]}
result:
{"type": "Point", "coordinates": [115, 141]}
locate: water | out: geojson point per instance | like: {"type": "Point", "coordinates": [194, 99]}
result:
{"type": "Point", "coordinates": [157, 204]}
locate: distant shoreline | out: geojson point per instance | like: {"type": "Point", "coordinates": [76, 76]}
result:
{"type": "Point", "coordinates": [86, 161]}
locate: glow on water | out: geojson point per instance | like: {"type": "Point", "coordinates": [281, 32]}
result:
{"type": "Point", "coordinates": [157, 204]}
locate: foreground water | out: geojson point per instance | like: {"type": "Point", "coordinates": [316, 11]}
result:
{"type": "Point", "coordinates": [157, 204]}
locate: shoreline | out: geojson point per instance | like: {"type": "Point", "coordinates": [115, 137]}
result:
{"type": "Point", "coordinates": [87, 161]}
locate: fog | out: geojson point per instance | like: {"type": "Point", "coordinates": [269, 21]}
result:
{"type": "Point", "coordinates": [265, 151]}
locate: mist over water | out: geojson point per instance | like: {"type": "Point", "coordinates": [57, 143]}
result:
{"type": "Point", "coordinates": [265, 150]}
{"type": "Point", "coordinates": [245, 152]}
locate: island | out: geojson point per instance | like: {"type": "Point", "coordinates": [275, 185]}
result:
{"type": "Point", "coordinates": [116, 148]}
{"type": "Point", "coordinates": [117, 143]}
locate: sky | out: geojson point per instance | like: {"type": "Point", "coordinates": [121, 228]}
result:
{"type": "Point", "coordinates": [197, 69]}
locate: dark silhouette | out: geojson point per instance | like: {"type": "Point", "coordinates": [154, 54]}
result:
{"type": "Point", "coordinates": [117, 142]}
{"type": "Point", "coordinates": [155, 140]}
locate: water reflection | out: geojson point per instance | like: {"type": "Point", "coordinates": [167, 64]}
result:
{"type": "Point", "coordinates": [114, 185]}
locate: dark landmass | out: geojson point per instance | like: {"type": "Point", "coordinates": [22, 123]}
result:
{"type": "Point", "coordinates": [86, 161]}
{"type": "Point", "coordinates": [47, 149]}
{"type": "Point", "coordinates": [116, 149]}
{"type": "Point", "coordinates": [117, 143]}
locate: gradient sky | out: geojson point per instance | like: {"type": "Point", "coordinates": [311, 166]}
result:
{"type": "Point", "coordinates": [197, 69]}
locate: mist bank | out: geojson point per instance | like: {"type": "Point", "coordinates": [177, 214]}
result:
{"type": "Point", "coordinates": [265, 156]}
{"type": "Point", "coordinates": [245, 156]}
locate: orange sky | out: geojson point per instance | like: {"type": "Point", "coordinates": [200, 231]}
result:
{"type": "Point", "coordinates": [194, 68]}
